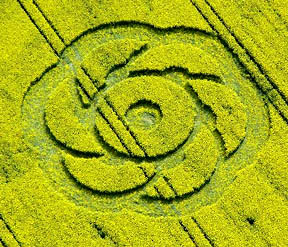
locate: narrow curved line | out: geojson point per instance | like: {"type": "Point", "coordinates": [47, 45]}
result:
{"type": "Point", "coordinates": [108, 194]}
{"type": "Point", "coordinates": [180, 28]}
{"type": "Point", "coordinates": [238, 147]}
{"type": "Point", "coordinates": [175, 69]}
{"type": "Point", "coordinates": [70, 150]}
{"type": "Point", "coordinates": [144, 102]}
{"type": "Point", "coordinates": [218, 132]}
{"type": "Point", "coordinates": [35, 81]}
{"type": "Point", "coordinates": [164, 155]}
{"type": "Point", "coordinates": [219, 136]}
{"type": "Point", "coordinates": [135, 53]}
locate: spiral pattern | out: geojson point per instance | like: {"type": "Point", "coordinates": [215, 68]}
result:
{"type": "Point", "coordinates": [144, 115]}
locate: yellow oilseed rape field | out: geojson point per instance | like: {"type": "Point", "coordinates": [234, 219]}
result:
{"type": "Point", "coordinates": [143, 123]}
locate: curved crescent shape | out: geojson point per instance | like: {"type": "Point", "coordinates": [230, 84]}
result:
{"type": "Point", "coordinates": [198, 166]}
{"type": "Point", "coordinates": [230, 112]}
{"type": "Point", "coordinates": [64, 125]}
{"type": "Point", "coordinates": [179, 55]}
{"type": "Point", "coordinates": [97, 175]}
{"type": "Point", "coordinates": [102, 59]}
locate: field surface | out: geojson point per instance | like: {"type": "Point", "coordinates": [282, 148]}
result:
{"type": "Point", "coordinates": [143, 123]}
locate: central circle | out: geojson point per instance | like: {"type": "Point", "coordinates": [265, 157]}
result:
{"type": "Point", "coordinates": [144, 115]}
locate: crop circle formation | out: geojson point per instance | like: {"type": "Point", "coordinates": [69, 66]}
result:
{"type": "Point", "coordinates": [151, 120]}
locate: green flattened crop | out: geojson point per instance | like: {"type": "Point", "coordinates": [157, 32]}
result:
{"type": "Point", "coordinates": [143, 123]}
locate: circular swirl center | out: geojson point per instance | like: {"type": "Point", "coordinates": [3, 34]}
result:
{"type": "Point", "coordinates": [144, 115]}
{"type": "Point", "coordinates": [147, 123]}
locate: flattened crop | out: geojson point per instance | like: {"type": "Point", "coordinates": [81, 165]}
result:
{"type": "Point", "coordinates": [143, 123]}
